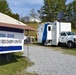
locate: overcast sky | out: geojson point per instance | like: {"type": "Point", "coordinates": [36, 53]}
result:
{"type": "Point", "coordinates": [23, 7]}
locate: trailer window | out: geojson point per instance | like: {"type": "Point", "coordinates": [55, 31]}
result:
{"type": "Point", "coordinates": [49, 28]}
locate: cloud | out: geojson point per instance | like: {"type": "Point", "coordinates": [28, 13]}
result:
{"type": "Point", "coordinates": [24, 6]}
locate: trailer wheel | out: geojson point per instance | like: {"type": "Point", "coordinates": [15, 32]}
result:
{"type": "Point", "coordinates": [70, 44]}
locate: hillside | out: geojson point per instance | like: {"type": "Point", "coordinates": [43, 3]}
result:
{"type": "Point", "coordinates": [32, 33]}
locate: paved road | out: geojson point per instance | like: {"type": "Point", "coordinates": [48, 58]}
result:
{"type": "Point", "coordinates": [50, 62]}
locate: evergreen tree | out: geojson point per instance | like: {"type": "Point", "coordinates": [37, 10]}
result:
{"type": "Point", "coordinates": [33, 14]}
{"type": "Point", "coordinates": [51, 8]}
{"type": "Point", "coordinates": [74, 13]}
{"type": "Point", "coordinates": [71, 12]}
{"type": "Point", "coordinates": [4, 8]}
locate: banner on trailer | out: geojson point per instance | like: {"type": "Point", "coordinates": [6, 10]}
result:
{"type": "Point", "coordinates": [11, 41]}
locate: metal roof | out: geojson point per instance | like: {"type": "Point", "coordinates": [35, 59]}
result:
{"type": "Point", "coordinates": [17, 26]}
{"type": "Point", "coordinates": [8, 21]}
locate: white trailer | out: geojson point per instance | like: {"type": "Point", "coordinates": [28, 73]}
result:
{"type": "Point", "coordinates": [48, 33]}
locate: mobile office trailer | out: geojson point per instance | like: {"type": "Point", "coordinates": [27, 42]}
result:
{"type": "Point", "coordinates": [48, 33]}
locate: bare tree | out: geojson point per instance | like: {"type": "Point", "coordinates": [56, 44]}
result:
{"type": "Point", "coordinates": [27, 18]}
{"type": "Point", "coordinates": [33, 14]}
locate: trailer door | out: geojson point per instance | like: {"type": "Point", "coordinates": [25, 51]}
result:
{"type": "Point", "coordinates": [49, 33]}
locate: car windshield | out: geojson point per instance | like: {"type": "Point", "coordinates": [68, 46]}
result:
{"type": "Point", "coordinates": [71, 33]}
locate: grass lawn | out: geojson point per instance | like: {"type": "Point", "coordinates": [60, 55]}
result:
{"type": "Point", "coordinates": [69, 51]}
{"type": "Point", "coordinates": [15, 66]}
{"type": "Point", "coordinates": [65, 50]}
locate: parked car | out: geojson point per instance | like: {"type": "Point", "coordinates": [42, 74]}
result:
{"type": "Point", "coordinates": [28, 39]}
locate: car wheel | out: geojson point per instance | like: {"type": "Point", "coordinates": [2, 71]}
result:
{"type": "Point", "coordinates": [70, 44]}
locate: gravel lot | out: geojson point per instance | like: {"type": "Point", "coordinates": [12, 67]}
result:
{"type": "Point", "coordinates": [50, 62]}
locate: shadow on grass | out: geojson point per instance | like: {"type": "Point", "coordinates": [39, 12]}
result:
{"type": "Point", "coordinates": [12, 59]}
{"type": "Point", "coordinates": [39, 44]}
{"type": "Point", "coordinates": [35, 43]}
{"type": "Point", "coordinates": [63, 46]}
